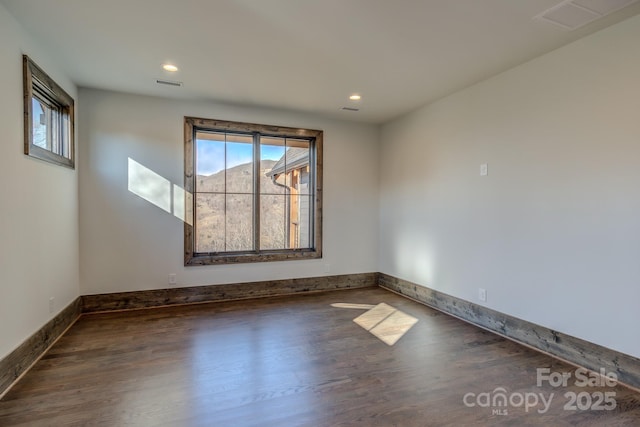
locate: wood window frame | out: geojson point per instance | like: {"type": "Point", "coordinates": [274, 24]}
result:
{"type": "Point", "coordinates": [37, 82]}
{"type": "Point", "coordinates": [191, 257]}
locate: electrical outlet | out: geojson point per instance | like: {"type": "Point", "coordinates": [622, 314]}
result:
{"type": "Point", "coordinates": [172, 279]}
{"type": "Point", "coordinates": [484, 169]}
{"type": "Point", "coordinates": [482, 294]}
{"type": "Point", "coordinates": [327, 268]}
{"type": "Point", "coordinates": [52, 306]}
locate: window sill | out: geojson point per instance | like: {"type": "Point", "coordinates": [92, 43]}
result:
{"type": "Point", "coordinates": [239, 258]}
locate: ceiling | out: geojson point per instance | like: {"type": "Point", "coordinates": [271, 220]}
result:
{"type": "Point", "coordinates": [307, 55]}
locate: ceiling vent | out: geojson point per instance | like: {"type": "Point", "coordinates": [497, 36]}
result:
{"type": "Point", "coordinates": [350, 109]}
{"type": "Point", "coordinates": [168, 83]}
{"type": "Point", "coordinates": [573, 14]}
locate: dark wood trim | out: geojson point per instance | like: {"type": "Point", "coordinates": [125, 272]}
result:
{"type": "Point", "coordinates": [565, 347]}
{"type": "Point", "coordinates": [189, 187]}
{"type": "Point", "coordinates": [34, 75]}
{"type": "Point", "coordinates": [319, 176]}
{"type": "Point", "coordinates": [22, 358]}
{"type": "Point", "coordinates": [231, 126]}
{"type": "Point", "coordinates": [213, 293]}
{"type": "Point", "coordinates": [262, 256]}
{"type": "Point", "coordinates": [27, 92]}
{"type": "Point", "coordinates": [191, 258]}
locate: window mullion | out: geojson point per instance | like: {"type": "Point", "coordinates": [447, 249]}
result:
{"type": "Point", "coordinates": [226, 195]}
{"type": "Point", "coordinates": [256, 191]}
{"type": "Point", "coordinates": [287, 201]}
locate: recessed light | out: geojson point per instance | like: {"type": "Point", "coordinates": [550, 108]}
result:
{"type": "Point", "coordinates": [355, 97]}
{"type": "Point", "coordinates": [170, 67]}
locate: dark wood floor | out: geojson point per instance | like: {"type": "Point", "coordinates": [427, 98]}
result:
{"type": "Point", "coordinates": [292, 361]}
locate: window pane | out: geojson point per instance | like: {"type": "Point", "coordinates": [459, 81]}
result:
{"type": "Point", "coordinates": [66, 136]}
{"type": "Point", "coordinates": [272, 222]}
{"type": "Point", "coordinates": [210, 162]}
{"type": "Point", "coordinates": [299, 224]}
{"type": "Point", "coordinates": [39, 123]}
{"type": "Point", "coordinates": [47, 125]}
{"type": "Point", "coordinates": [271, 161]}
{"type": "Point", "coordinates": [239, 164]}
{"type": "Point", "coordinates": [304, 222]}
{"type": "Point", "coordinates": [210, 223]}
{"type": "Point", "coordinates": [304, 181]}
{"type": "Point", "coordinates": [239, 222]}
{"type": "Point", "coordinates": [297, 143]}
{"type": "Point", "coordinates": [297, 161]}
{"type": "Point", "coordinates": [56, 143]}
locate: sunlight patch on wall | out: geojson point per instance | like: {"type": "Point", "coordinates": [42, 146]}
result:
{"type": "Point", "coordinates": [149, 185]}
{"type": "Point", "coordinates": [424, 265]}
{"type": "Point", "coordinates": [159, 191]}
{"type": "Point", "coordinates": [182, 204]}
{"type": "Point", "coordinates": [414, 261]}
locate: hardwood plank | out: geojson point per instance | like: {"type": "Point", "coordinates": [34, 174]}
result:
{"type": "Point", "coordinates": [288, 361]}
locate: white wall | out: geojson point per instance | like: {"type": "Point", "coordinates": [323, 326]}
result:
{"type": "Point", "coordinates": [553, 232]}
{"type": "Point", "coordinates": [38, 206]}
{"type": "Point", "coordinates": [129, 244]}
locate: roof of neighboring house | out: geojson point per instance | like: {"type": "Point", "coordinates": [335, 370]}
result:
{"type": "Point", "coordinates": [295, 158]}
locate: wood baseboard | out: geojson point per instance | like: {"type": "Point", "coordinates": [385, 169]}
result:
{"type": "Point", "coordinates": [568, 348]}
{"type": "Point", "coordinates": [214, 293]}
{"type": "Point", "coordinates": [16, 363]}
{"type": "Point", "coordinates": [571, 349]}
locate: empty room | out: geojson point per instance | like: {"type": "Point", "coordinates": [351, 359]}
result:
{"type": "Point", "coordinates": [319, 213]}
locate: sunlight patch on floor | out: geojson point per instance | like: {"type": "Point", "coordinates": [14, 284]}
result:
{"type": "Point", "coordinates": [385, 322]}
{"type": "Point", "coordinates": [349, 305]}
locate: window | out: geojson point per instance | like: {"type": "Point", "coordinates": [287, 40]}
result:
{"type": "Point", "coordinates": [48, 117]}
{"type": "Point", "coordinates": [256, 192]}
